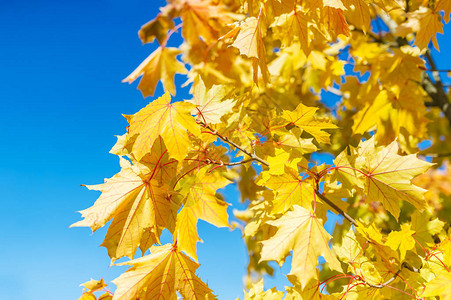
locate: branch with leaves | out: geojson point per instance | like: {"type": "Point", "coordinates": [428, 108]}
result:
{"type": "Point", "coordinates": [257, 71]}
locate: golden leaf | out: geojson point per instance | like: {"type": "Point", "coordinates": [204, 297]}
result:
{"type": "Point", "coordinates": [160, 65]}
{"type": "Point", "coordinates": [301, 232]}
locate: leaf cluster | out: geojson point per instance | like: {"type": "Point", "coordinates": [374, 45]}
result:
{"type": "Point", "coordinates": [261, 73]}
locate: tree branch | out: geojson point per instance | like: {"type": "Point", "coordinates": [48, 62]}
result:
{"type": "Point", "coordinates": [253, 156]}
{"type": "Point", "coordinates": [435, 88]}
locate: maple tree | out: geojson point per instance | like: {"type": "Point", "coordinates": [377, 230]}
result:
{"type": "Point", "coordinates": [259, 71]}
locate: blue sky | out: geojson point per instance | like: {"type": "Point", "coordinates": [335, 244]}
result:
{"type": "Point", "coordinates": [61, 102]}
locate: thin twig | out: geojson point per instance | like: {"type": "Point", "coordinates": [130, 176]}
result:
{"type": "Point", "coordinates": [438, 70]}
{"type": "Point", "coordinates": [228, 141]}
{"type": "Point", "coordinates": [382, 285]}
{"type": "Point", "coordinates": [221, 163]}
{"type": "Point", "coordinates": [337, 209]}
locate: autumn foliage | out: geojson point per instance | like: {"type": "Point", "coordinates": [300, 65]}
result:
{"type": "Point", "coordinates": [261, 73]}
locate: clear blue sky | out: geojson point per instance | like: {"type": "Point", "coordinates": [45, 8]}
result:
{"type": "Point", "coordinates": [61, 101]}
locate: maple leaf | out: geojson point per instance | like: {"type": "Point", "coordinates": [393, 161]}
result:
{"type": "Point", "coordinates": [379, 107]}
{"type": "Point", "coordinates": [301, 232]}
{"type": "Point", "coordinates": [338, 4]}
{"type": "Point", "coordinates": [349, 250]}
{"type": "Point", "coordinates": [250, 43]}
{"type": "Point", "coordinates": [279, 160]}
{"type": "Point", "coordinates": [203, 19]}
{"type": "Point", "coordinates": [294, 25]}
{"type": "Point", "coordinates": [156, 29]}
{"type": "Point", "coordinates": [425, 228]}
{"type": "Point", "coordinates": [335, 19]}
{"type": "Point", "coordinates": [401, 240]}
{"type": "Point", "coordinates": [200, 200]}
{"type": "Point", "coordinates": [275, 8]}
{"type": "Point", "coordinates": [440, 286]}
{"type": "Point", "coordinates": [291, 142]}
{"type": "Point", "coordinates": [310, 292]}
{"type": "Point", "coordinates": [386, 175]}
{"type": "Point", "coordinates": [169, 120]}
{"type": "Point", "coordinates": [210, 104]}
{"type": "Point", "coordinates": [94, 285]}
{"type": "Point", "coordinates": [257, 292]}
{"type": "Point", "coordinates": [384, 252]}
{"type": "Point", "coordinates": [304, 117]}
{"type": "Point", "coordinates": [445, 248]}
{"type": "Point", "coordinates": [105, 296]}
{"type": "Point", "coordinates": [87, 296]}
{"type": "Point", "coordinates": [426, 23]}
{"type": "Point", "coordinates": [160, 275]}
{"type": "Point", "coordinates": [290, 189]}
{"type": "Point", "coordinates": [358, 13]}
{"type": "Point", "coordinates": [136, 203]}
{"type": "Point", "coordinates": [444, 5]}
{"type": "Point", "coordinates": [160, 65]}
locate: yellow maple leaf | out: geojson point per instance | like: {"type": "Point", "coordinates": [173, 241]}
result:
{"type": "Point", "coordinates": [425, 228]}
{"type": "Point", "coordinates": [105, 296]}
{"type": "Point", "coordinates": [94, 285]}
{"type": "Point", "coordinates": [304, 117]}
{"type": "Point", "coordinates": [426, 23]}
{"type": "Point", "coordinates": [169, 120]}
{"type": "Point", "coordinates": [301, 232]}
{"type": "Point", "coordinates": [291, 142]}
{"type": "Point", "coordinates": [250, 43]}
{"type": "Point", "coordinates": [358, 14]}
{"type": "Point", "coordinates": [162, 65]}
{"type": "Point", "coordinates": [335, 20]}
{"type": "Point", "coordinates": [203, 18]}
{"type": "Point", "coordinates": [200, 203]}
{"type": "Point", "coordinates": [160, 275]}
{"type": "Point", "coordinates": [440, 286]}
{"type": "Point", "coordinates": [389, 175]}
{"type": "Point", "coordinates": [386, 254]}
{"type": "Point", "coordinates": [136, 203]}
{"type": "Point", "coordinates": [430, 24]}
{"type": "Point", "coordinates": [291, 26]}
{"type": "Point", "coordinates": [312, 291]}
{"type": "Point", "coordinates": [249, 39]}
{"type": "Point", "coordinates": [349, 251]}
{"type": "Point", "coordinates": [257, 292]}
{"type": "Point", "coordinates": [369, 115]}
{"type": "Point", "coordinates": [87, 296]}
{"type": "Point", "coordinates": [386, 176]}
{"type": "Point", "coordinates": [401, 240]}
{"type": "Point", "coordinates": [211, 105]}
{"type": "Point", "coordinates": [334, 3]}
{"type": "Point", "coordinates": [444, 5]}
{"type": "Point", "coordinates": [278, 161]}
{"type": "Point", "coordinates": [289, 189]}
